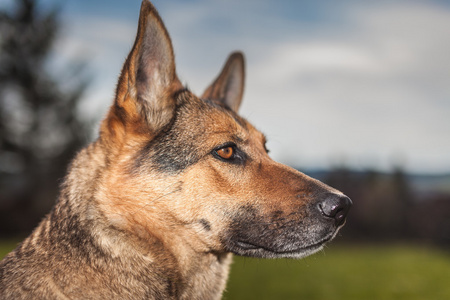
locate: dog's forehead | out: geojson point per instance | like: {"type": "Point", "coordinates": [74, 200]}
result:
{"type": "Point", "coordinates": [214, 117]}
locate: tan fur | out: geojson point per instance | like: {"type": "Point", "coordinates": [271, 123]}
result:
{"type": "Point", "coordinates": [151, 211]}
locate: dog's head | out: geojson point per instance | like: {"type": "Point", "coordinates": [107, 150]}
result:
{"type": "Point", "coordinates": [189, 170]}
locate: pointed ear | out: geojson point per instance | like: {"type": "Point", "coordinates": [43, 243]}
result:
{"type": "Point", "coordinates": [229, 85]}
{"type": "Point", "coordinates": [148, 79]}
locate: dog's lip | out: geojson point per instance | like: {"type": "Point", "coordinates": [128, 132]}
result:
{"type": "Point", "coordinates": [247, 246]}
{"type": "Point", "coordinates": [244, 245]}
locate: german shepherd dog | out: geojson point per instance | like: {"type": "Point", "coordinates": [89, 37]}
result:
{"type": "Point", "coordinates": [175, 184]}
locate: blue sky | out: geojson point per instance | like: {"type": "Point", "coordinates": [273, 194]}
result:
{"type": "Point", "coordinates": [365, 83]}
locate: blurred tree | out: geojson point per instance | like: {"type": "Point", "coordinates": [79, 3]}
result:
{"type": "Point", "coordinates": [382, 203]}
{"type": "Point", "coordinates": [431, 219]}
{"type": "Point", "coordinates": [40, 129]}
{"type": "Point", "coordinates": [405, 200]}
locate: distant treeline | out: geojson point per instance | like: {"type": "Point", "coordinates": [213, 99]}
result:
{"type": "Point", "coordinates": [388, 206]}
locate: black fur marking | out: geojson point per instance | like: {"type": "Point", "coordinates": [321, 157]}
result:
{"type": "Point", "coordinates": [205, 223]}
{"type": "Point", "coordinates": [168, 151]}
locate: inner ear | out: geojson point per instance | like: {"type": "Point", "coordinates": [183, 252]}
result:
{"type": "Point", "coordinates": [229, 85]}
{"type": "Point", "coordinates": [154, 57]}
{"type": "Point", "coordinates": [148, 78]}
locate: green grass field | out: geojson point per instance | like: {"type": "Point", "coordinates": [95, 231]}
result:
{"type": "Point", "coordinates": [346, 272]}
{"type": "Point", "coordinates": [340, 272]}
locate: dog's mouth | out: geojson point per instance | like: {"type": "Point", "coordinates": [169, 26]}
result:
{"type": "Point", "coordinates": [247, 248]}
{"type": "Point", "coordinates": [294, 235]}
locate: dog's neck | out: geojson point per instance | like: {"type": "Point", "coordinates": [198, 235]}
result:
{"type": "Point", "coordinates": [194, 275]}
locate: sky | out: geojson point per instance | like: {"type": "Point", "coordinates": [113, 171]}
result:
{"type": "Point", "coordinates": [364, 83]}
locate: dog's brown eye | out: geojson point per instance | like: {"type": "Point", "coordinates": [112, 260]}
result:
{"type": "Point", "coordinates": [230, 153]}
{"type": "Point", "coordinates": [226, 152]}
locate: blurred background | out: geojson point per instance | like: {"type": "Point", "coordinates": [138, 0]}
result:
{"type": "Point", "coordinates": [354, 93]}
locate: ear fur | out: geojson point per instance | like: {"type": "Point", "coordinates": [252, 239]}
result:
{"type": "Point", "coordinates": [148, 79]}
{"type": "Point", "coordinates": [229, 85]}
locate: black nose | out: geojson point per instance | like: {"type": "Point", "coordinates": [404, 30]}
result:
{"type": "Point", "coordinates": [336, 206]}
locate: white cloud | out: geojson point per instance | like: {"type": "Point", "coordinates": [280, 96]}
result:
{"type": "Point", "coordinates": [373, 92]}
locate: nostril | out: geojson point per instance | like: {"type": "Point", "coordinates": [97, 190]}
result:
{"type": "Point", "coordinates": [333, 205]}
{"type": "Point", "coordinates": [337, 207]}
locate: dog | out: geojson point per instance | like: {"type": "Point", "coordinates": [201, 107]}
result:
{"type": "Point", "coordinates": [174, 185]}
